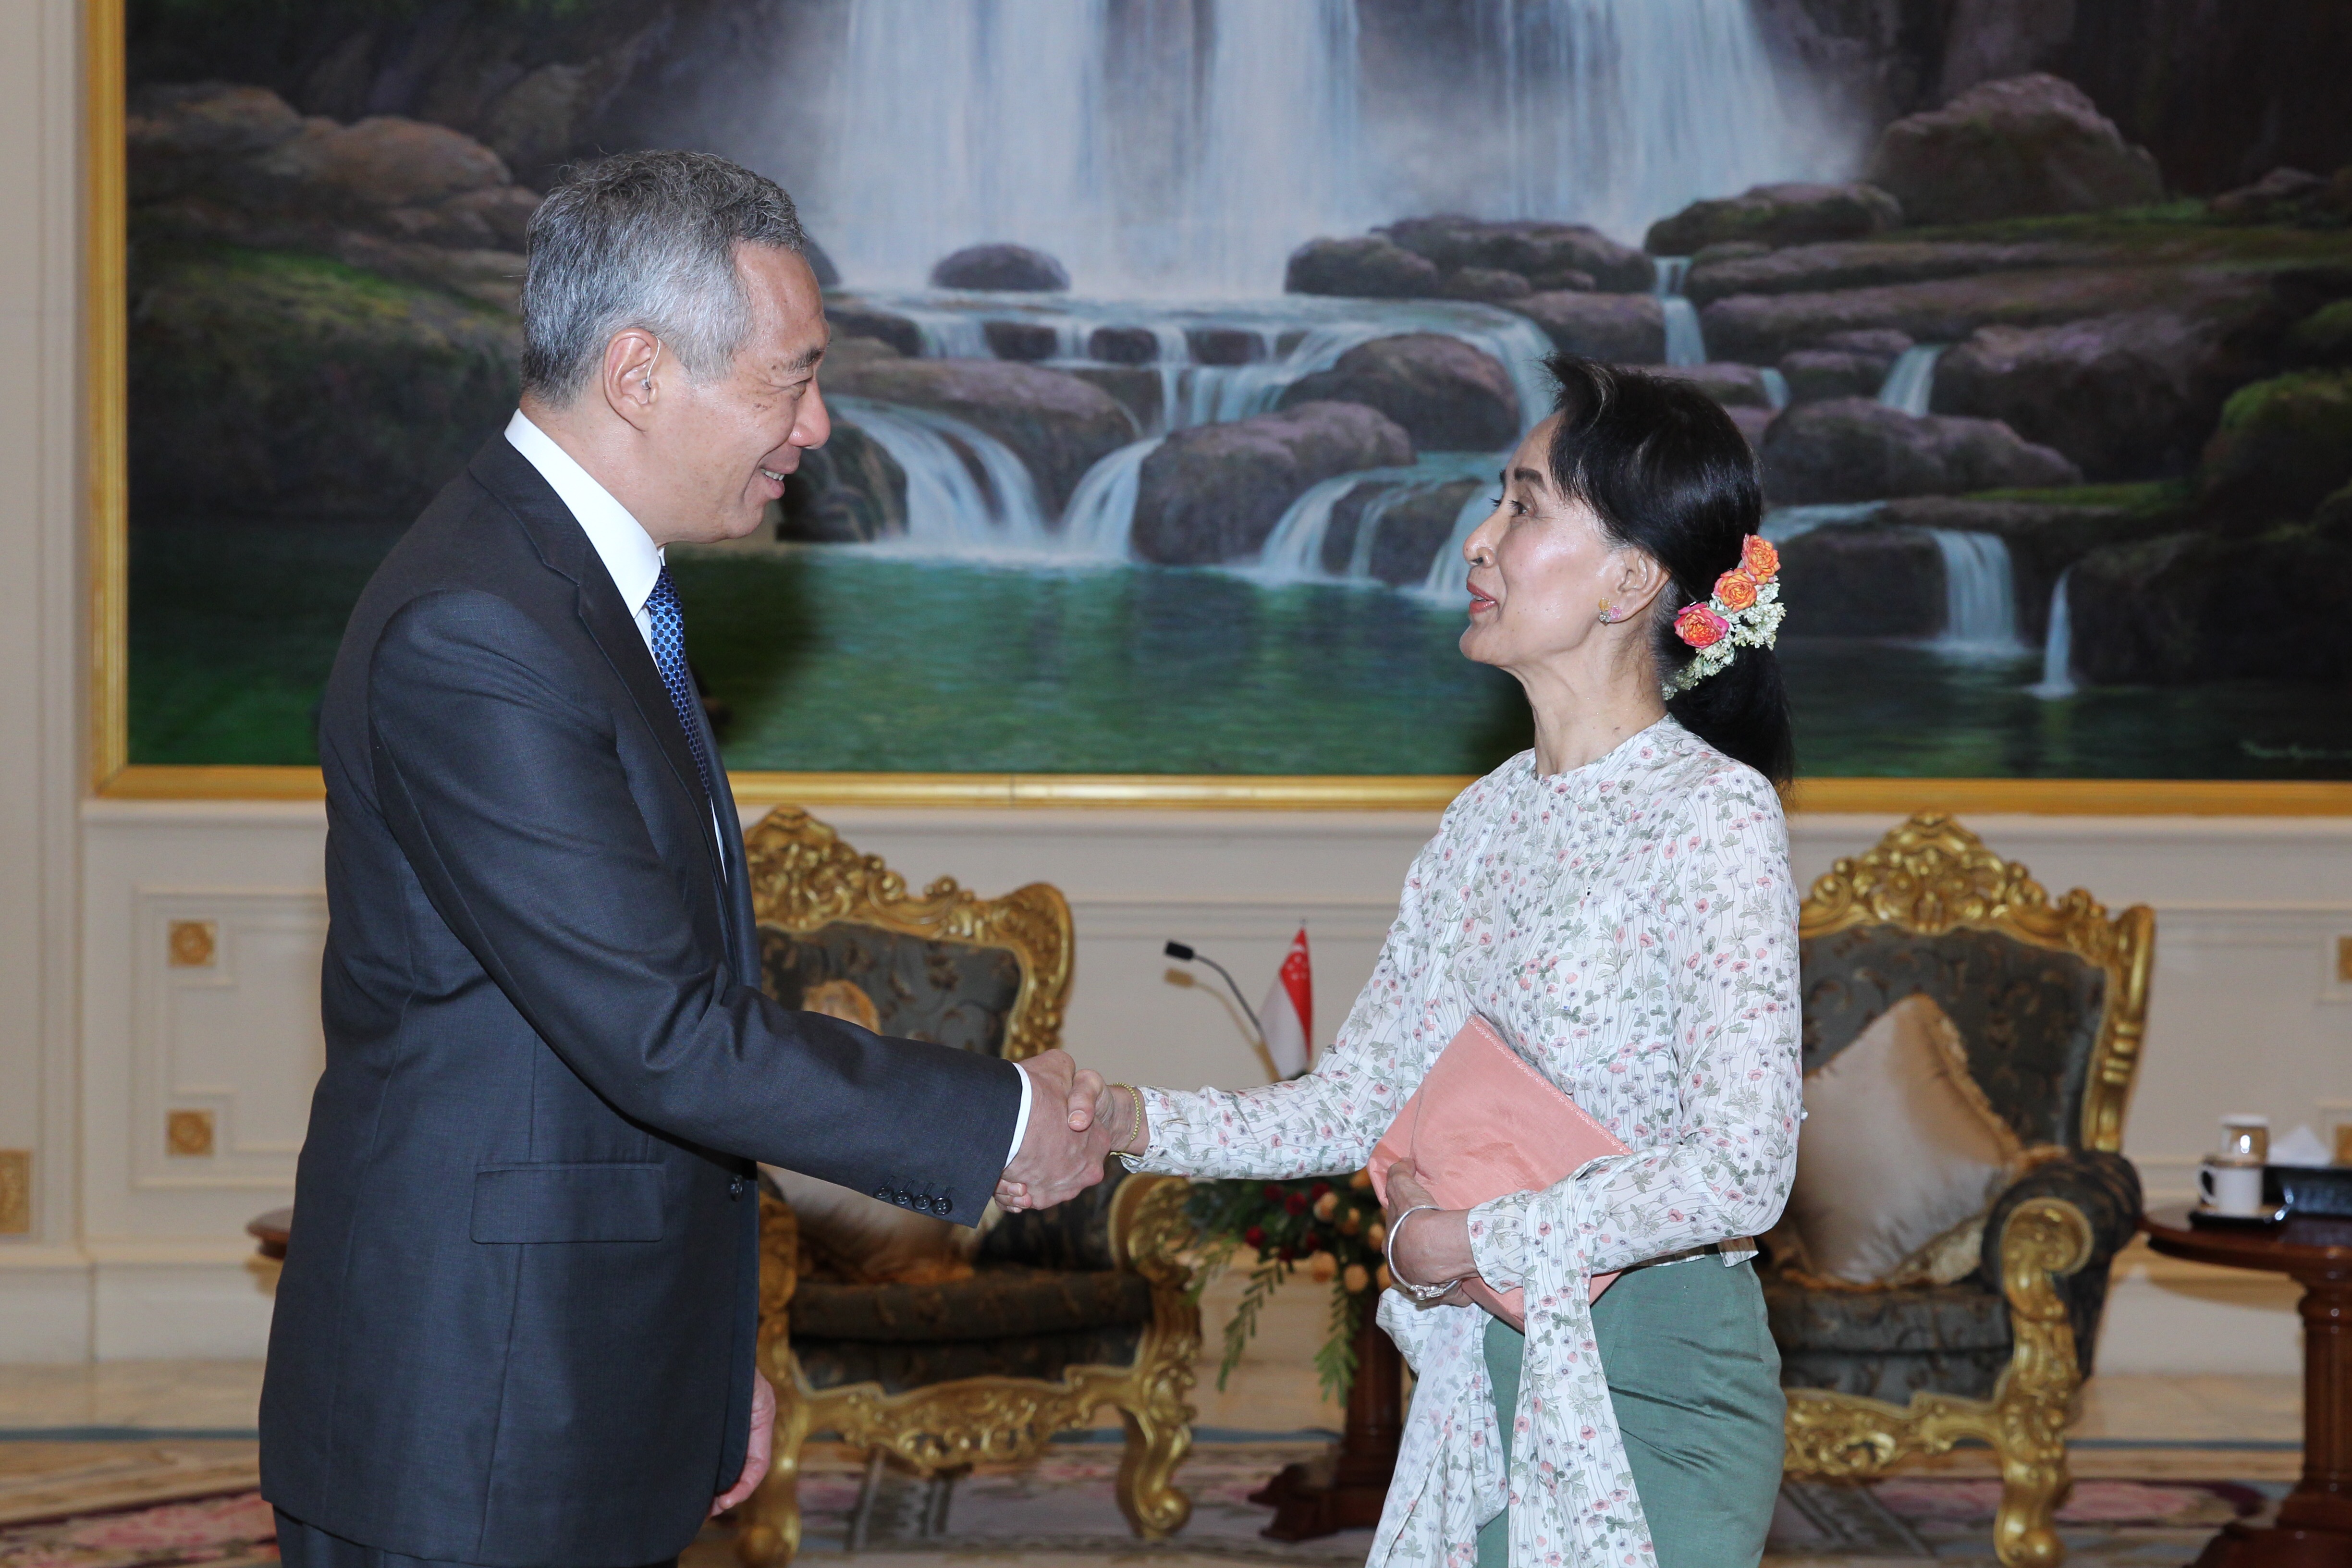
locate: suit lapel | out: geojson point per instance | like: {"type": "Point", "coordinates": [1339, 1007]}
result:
{"type": "Point", "coordinates": [738, 894]}
{"type": "Point", "coordinates": [564, 546]}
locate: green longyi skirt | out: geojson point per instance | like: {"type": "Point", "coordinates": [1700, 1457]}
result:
{"type": "Point", "coordinates": [1695, 1381]}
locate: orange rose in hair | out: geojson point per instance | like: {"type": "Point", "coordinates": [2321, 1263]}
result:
{"type": "Point", "coordinates": [1735, 590]}
{"type": "Point", "coordinates": [1700, 626]}
{"type": "Point", "coordinates": [1758, 558]}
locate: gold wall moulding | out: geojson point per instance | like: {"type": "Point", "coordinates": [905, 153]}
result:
{"type": "Point", "coordinates": [1404, 792]}
{"type": "Point", "coordinates": [192, 944]}
{"type": "Point", "coordinates": [15, 1192]}
{"type": "Point", "coordinates": [188, 1134]}
{"type": "Point", "coordinates": [105, 380]}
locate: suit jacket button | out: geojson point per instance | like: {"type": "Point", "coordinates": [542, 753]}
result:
{"type": "Point", "coordinates": [941, 1206]}
{"type": "Point", "coordinates": [735, 1188]}
{"type": "Point", "coordinates": [902, 1199]}
{"type": "Point", "coordinates": [884, 1194]}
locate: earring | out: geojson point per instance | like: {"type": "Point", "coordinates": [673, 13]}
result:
{"type": "Point", "coordinates": [1608, 615]}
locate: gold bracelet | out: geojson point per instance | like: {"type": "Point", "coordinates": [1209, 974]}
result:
{"type": "Point", "coordinates": [1135, 1129]}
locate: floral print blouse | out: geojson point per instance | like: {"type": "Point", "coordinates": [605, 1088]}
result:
{"type": "Point", "coordinates": [1631, 925]}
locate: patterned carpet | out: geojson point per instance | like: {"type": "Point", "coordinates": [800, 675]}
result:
{"type": "Point", "coordinates": [160, 1503]}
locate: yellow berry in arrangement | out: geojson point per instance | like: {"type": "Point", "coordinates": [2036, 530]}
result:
{"type": "Point", "coordinates": [1361, 1181]}
{"type": "Point", "coordinates": [1351, 1222]}
{"type": "Point", "coordinates": [1383, 1276]}
{"type": "Point", "coordinates": [1355, 1278]}
{"type": "Point", "coordinates": [1325, 1205]}
{"type": "Point", "coordinates": [1378, 1236]}
{"type": "Point", "coordinates": [1321, 1267]}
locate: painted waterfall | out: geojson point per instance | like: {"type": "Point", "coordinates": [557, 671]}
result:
{"type": "Point", "coordinates": [1176, 346]}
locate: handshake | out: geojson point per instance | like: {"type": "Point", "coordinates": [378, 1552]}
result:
{"type": "Point", "coordinates": [1075, 1123]}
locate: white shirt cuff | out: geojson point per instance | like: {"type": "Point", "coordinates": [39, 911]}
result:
{"type": "Point", "coordinates": [1020, 1123]}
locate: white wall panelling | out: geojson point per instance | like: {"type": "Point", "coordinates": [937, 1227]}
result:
{"type": "Point", "coordinates": [238, 1037]}
{"type": "Point", "coordinates": [43, 1296]}
{"type": "Point", "coordinates": [2246, 1013]}
{"type": "Point", "coordinates": [134, 1254]}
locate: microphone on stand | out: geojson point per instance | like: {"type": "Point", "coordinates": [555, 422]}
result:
{"type": "Point", "coordinates": [1184, 954]}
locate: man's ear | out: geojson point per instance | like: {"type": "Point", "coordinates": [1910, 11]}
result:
{"type": "Point", "coordinates": [628, 377]}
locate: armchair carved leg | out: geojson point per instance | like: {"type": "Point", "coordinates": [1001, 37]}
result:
{"type": "Point", "coordinates": [770, 1534]}
{"type": "Point", "coordinates": [1150, 1232]}
{"type": "Point", "coordinates": [1159, 1436]}
{"type": "Point", "coordinates": [2044, 1239]}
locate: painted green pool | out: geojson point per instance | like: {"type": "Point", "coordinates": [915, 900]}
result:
{"type": "Point", "coordinates": [839, 659]}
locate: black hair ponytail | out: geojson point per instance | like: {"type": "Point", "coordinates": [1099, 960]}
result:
{"type": "Point", "coordinates": [1667, 472]}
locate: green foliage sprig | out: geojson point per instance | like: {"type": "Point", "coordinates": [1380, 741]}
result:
{"type": "Point", "coordinates": [1331, 1231]}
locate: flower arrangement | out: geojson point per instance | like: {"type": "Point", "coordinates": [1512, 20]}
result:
{"type": "Point", "coordinates": [1744, 611]}
{"type": "Point", "coordinates": [1332, 1231]}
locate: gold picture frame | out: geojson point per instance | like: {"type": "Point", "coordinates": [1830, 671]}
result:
{"type": "Point", "coordinates": [113, 775]}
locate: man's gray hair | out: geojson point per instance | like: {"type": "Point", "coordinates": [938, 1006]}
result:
{"type": "Point", "coordinates": [647, 240]}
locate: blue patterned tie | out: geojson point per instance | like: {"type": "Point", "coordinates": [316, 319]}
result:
{"type": "Point", "coordinates": [668, 625]}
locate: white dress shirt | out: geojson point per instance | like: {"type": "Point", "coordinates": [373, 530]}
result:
{"type": "Point", "coordinates": [634, 563]}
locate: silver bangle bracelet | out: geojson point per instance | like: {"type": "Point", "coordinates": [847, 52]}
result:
{"type": "Point", "coordinates": [1418, 1292]}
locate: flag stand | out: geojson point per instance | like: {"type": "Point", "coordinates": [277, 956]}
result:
{"type": "Point", "coordinates": [1344, 1490]}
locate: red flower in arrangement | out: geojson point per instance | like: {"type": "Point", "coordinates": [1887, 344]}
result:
{"type": "Point", "coordinates": [1255, 1235]}
{"type": "Point", "coordinates": [1735, 590]}
{"type": "Point", "coordinates": [1315, 1193]}
{"type": "Point", "coordinates": [1758, 558]}
{"type": "Point", "coordinates": [1313, 1243]}
{"type": "Point", "coordinates": [1295, 1203]}
{"type": "Point", "coordinates": [1287, 1254]}
{"type": "Point", "coordinates": [1273, 1193]}
{"type": "Point", "coordinates": [1700, 626]}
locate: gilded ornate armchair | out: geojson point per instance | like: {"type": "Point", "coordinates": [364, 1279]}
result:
{"type": "Point", "coordinates": [2051, 1000]}
{"type": "Point", "coordinates": [1067, 1310]}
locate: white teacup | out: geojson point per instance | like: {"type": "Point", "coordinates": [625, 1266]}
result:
{"type": "Point", "coordinates": [2230, 1186]}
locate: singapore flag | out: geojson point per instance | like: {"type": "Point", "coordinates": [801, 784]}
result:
{"type": "Point", "coordinates": [1288, 1014]}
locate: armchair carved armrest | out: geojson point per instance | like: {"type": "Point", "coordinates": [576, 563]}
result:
{"type": "Point", "coordinates": [2103, 1190]}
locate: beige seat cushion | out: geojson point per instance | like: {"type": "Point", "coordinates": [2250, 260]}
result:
{"type": "Point", "coordinates": [853, 1237]}
{"type": "Point", "coordinates": [1900, 1158]}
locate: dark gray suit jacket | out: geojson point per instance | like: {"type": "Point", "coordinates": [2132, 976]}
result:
{"type": "Point", "coordinates": [516, 1322]}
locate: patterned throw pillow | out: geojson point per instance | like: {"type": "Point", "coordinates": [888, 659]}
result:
{"type": "Point", "coordinates": [1900, 1158]}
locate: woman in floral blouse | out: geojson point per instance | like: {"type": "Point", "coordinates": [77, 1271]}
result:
{"type": "Point", "coordinates": [1618, 901]}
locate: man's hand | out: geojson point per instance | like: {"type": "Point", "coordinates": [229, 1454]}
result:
{"type": "Point", "coordinates": [755, 1458]}
{"type": "Point", "coordinates": [1061, 1154]}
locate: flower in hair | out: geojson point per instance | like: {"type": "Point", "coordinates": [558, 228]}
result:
{"type": "Point", "coordinates": [1744, 611]}
{"type": "Point", "coordinates": [1701, 626]}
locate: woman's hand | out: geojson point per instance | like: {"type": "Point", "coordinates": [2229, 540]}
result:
{"type": "Point", "coordinates": [1117, 1109]}
{"type": "Point", "coordinates": [1434, 1245]}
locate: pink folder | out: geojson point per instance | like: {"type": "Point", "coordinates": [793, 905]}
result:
{"type": "Point", "coordinates": [1484, 1123]}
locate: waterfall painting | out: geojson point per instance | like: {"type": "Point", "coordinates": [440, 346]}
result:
{"type": "Point", "coordinates": [1176, 344]}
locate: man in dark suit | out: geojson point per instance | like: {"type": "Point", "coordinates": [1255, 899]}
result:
{"type": "Point", "coordinates": [517, 1317]}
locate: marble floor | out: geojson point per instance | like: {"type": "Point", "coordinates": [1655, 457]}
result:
{"type": "Point", "coordinates": [184, 1396]}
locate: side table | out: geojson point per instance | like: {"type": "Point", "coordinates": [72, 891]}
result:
{"type": "Point", "coordinates": [2314, 1522]}
{"type": "Point", "coordinates": [1346, 1489]}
